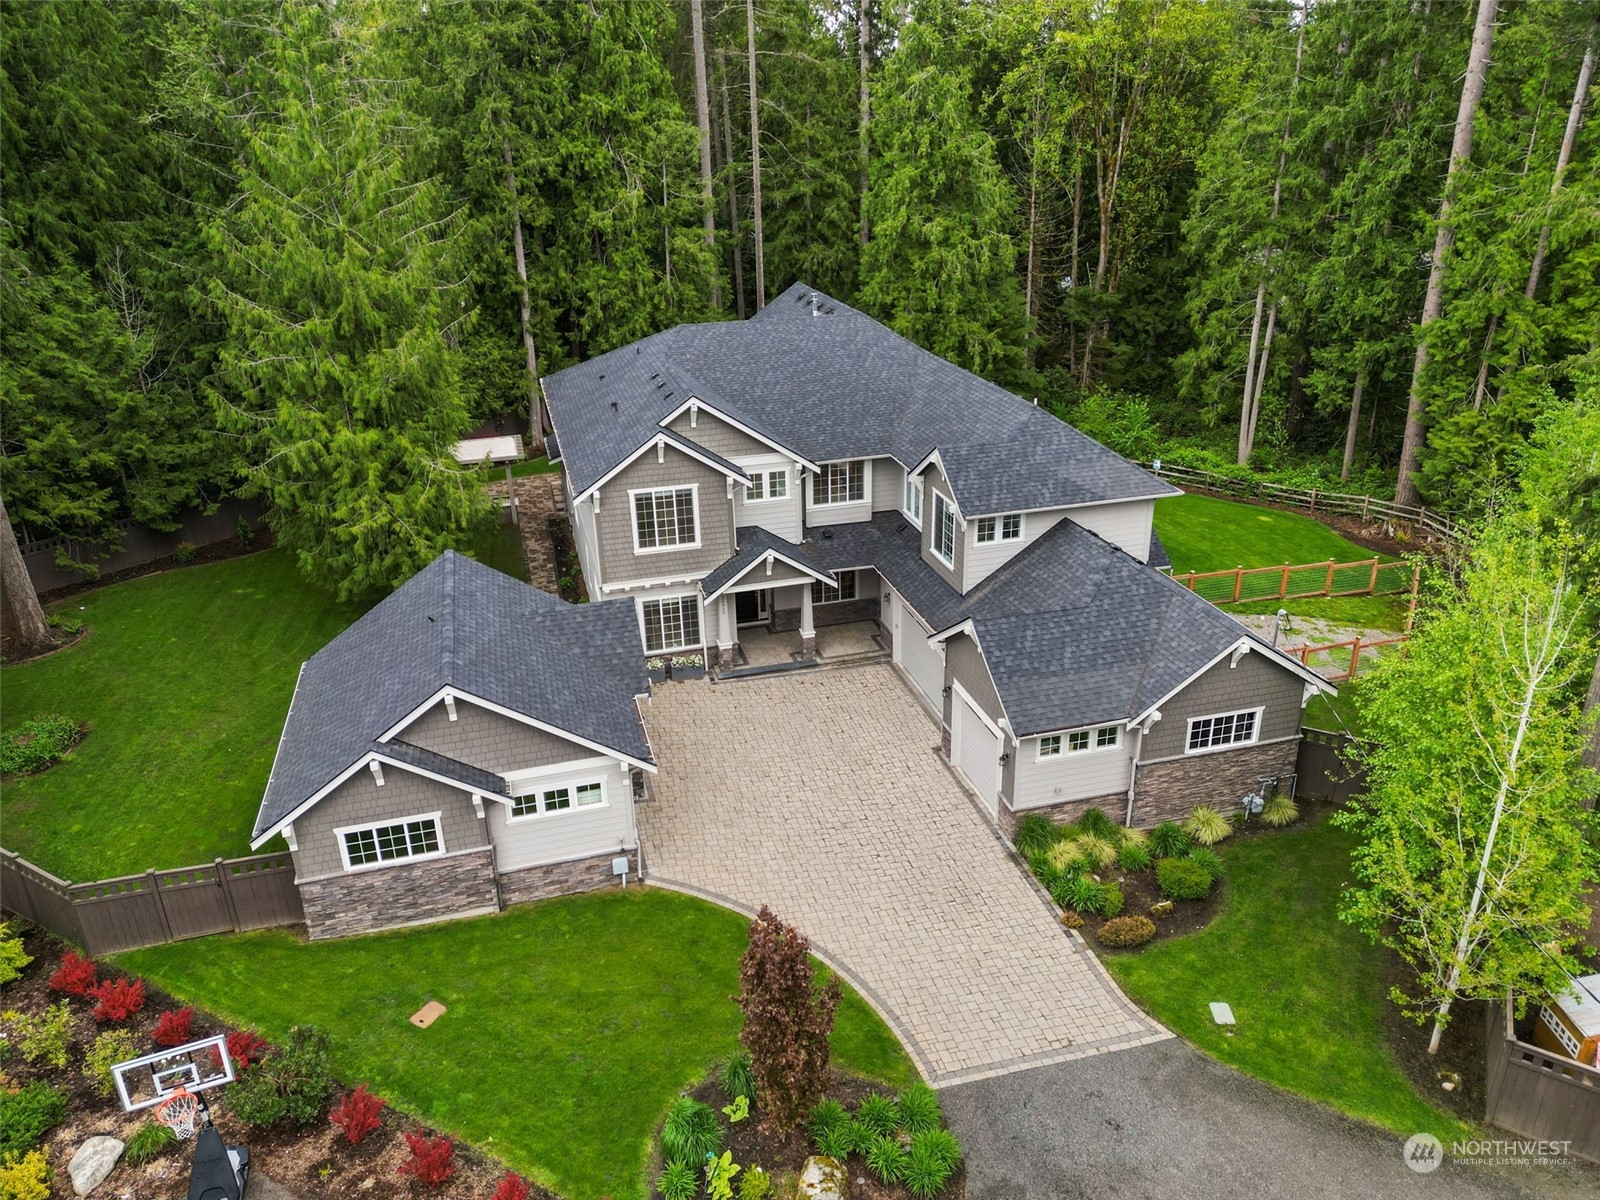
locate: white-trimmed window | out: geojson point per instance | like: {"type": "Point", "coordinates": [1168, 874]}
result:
{"type": "Point", "coordinates": [840, 483]}
{"type": "Point", "coordinates": [943, 538]}
{"type": "Point", "coordinates": [1011, 527]}
{"type": "Point", "coordinates": [768, 485]}
{"type": "Point", "coordinates": [827, 593]}
{"type": "Point", "coordinates": [665, 519]}
{"type": "Point", "coordinates": [672, 623]}
{"type": "Point", "coordinates": [913, 500]}
{"type": "Point", "coordinates": [1224, 729]}
{"type": "Point", "coordinates": [562, 798]}
{"type": "Point", "coordinates": [1080, 741]}
{"type": "Point", "coordinates": [987, 528]}
{"type": "Point", "coordinates": [387, 842]}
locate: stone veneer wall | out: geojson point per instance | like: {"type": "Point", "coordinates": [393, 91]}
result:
{"type": "Point", "coordinates": [842, 613]}
{"type": "Point", "coordinates": [1114, 805]}
{"type": "Point", "coordinates": [409, 894]}
{"type": "Point", "coordinates": [560, 879]}
{"type": "Point", "coordinates": [1166, 791]}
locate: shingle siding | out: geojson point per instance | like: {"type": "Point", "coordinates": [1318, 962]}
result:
{"type": "Point", "coordinates": [360, 801]}
{"type": "Point", "coordinates": [1255, 682]}
{"type": "Point", "coordinates": [718, 436]}
{"type": "Point", "coordinates": [619, 563]}
{"type": "Point", "coordinates": [963, 664]}
{"type": "Point", "coordinates": [489, 740]}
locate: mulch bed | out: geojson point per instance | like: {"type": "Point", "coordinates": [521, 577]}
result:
{"type": "Point", "coordinates": [569, 573]}
{"type": "Point", "coordinates": [1462, 1058]}
{"type": "Point", "coordinates": [313, 1162]}
{"type": "Point", "coordinates": [786, 1153]}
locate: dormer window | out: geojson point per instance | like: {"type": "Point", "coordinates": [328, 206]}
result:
{"type": "Point", "coordinates": [1006, 529]}
{"type": "Point", "coordinates": [943, 538]}
{"type": "Point", "coordinates": [768, 485]}
{"type": "Point", "coordinates": [839, 483]}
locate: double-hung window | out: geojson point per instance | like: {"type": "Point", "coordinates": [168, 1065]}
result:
{"type": "Point", "coordinates": [840, 483]}
{"type": "Point", "coordinates": [567, 796]}
{"type": "Point", "coordinates": [664, 518]}
{"type": "Point", "coordinates": [1080, 741]}
{"type": "Point", "coordinates": [671, 624]}
{"type": "Point", "coordinates": [826, 593]}
{"type": "Point", "coordinates": [913, 501]}
{"type": "Point", "coordinates": [768, 485]}
{"type": "Point", "coordinates": [1006, 529]}
{"type": "Point", "coordinates": [375, 845]}
{"type": "Point", "coordinates": [943, 537]}
{"type": "Point", "coordinates": [1224, 729]}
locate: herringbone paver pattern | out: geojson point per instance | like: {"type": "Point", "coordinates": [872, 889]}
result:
{"type": "Point", "coordinates": [821, 794]}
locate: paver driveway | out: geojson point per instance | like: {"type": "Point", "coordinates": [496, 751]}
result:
{"type": "Point", "coordinates": [821, 794]}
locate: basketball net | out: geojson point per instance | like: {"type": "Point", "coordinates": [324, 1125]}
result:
{"type": "Point", "coordinates": [179, 1111]}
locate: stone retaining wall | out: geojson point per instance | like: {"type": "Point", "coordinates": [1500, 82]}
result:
{"type": "Point", "coordinates": [410, 894]}
{"type": "Point", "coordinates": [1167, 791]}
{"type": "Point", "coordinates": [560, 879]}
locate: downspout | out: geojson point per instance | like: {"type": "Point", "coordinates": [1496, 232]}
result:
{"type": "Point", "coordinates": [1133, 771]}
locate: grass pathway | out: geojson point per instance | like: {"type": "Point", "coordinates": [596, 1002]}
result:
{"type": "Point", "coordinates": [572, 1023]}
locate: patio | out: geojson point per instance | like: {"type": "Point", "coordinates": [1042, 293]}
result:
{"type": "Point", "coordinates": [763, 648]}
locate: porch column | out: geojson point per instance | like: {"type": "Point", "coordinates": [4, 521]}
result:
{"type": "Point", "coordinates": [725, 633]}
{"type": "Point", "coordinates": [808, 632]}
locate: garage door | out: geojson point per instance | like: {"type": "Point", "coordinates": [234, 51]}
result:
{"type": "Point", "coordinates": [924, 663]}
{"type": "Point", "coordinates": [976, 749]}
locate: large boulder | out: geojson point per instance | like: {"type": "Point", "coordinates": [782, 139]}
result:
{"type": "Point", "coordinates": [824, 1178]}
{"type": "Point", "coordinates": [93, 1162]}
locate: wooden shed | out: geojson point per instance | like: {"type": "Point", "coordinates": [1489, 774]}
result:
{"type": "Point", "coordinates": [1569, 1023]}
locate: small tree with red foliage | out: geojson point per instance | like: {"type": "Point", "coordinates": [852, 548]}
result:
{"type": "Point", "coordinates": [357, 1114]}
{"type": "Point", "coordinates": [432, 1160]}
{"type": "Point", "coordinates": [117, 999]}
{"type": "Point", "coordinates": [75, 976]}
{"type": "Point", "coordinates": [512, 1187]}
{"type": "Point", "coordinates": [787, 1019]}
{"type": "Point", "coordinates": [173, 1028]}
{"type": "Point", "coordinates": [245, 1048]}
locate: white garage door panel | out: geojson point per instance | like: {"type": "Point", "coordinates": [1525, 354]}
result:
{"type": "Point", "coordinates": [924, 663]}
{"type": "Point", "coordinates": [977, 750]}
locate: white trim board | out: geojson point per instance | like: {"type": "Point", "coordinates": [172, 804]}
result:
{"type": "Point", "coordinates": [1245, 645]}
{"type": "Point", "coordinates": [773, 556]}
{"type": "Point", "coordinates": [726, 419]}
{"type": "Point", "coordinates": [663, 440]}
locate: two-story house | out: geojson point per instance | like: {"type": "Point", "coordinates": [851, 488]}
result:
{"type": "Point", "coordinates": [808, 466]}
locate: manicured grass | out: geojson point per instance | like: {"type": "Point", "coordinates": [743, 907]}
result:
{"type": "Point", "coordinates": [500, 546]}
{"type": "Point", "coordinates": [571, 1024]}
{"type": "Point", "coordinates": [184, 679]}
{"type": "Point", "coordinates": [1335, 713]}
{"type": "Point", "coordinates": [534, 466]}
{"type": "Point", "coordinates": [1307, 990]}
{"type": "Point", "coordinates": [1361, 612]}
{"type": "Point", "coordinates": [1204, 533]}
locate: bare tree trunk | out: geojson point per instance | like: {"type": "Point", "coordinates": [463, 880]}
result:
{"type": "Point", "coordinates": [1072, 259]}
{"type": "Point", "coordinates": [733, 204]}
{"type": "Point", "coordinates": [1354, 423]}
{"type": "Point", "coordinates": [1433, 302]}
{"type": "Point", "coordinates": [1574, 120]}
{"type": "Point", "coordinates": [1591, 753]}
{"type": "Point", "coordinates": [535, 417]}
{"type": "Point", "coordinates": [864, 51]}
{"type": "Point", "coordinates": [755, 161]}
{"type": "Point", "coordinates": [702, 112]}
{"type": "Point", "coordinates": [1250, 371]}
{"type": "Point", "coordinates": [1031, 282]}
{"type": "Point", "coordinates": [1261, 382]}
{"type": "Point", "coordinates": [30, 631]}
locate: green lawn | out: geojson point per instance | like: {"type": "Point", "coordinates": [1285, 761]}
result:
{"type": "Point", "coordinates": [1335, 713]}
{"type": "Point", "coordinates": [571, 1025]}
{"type": "Point", "coordinates": [500, 546]}
{"type": "Point", "coordinates": [534, 466]}
{"type": "Point", "coordinates": [1204, 533]}
{"type": "Point", "coordinates": [1307, 990]}
{"type": "Point", "coordinates": [1362, 612]}
{"type": "Point", "coordinates": [184, 678]}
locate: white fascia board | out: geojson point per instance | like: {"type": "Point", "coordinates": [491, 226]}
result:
{"type": "Point", "coordinates": [1249, 645]}
{"type": "Point", "coordinates": [276, 754]}
{"type": "Point", "coordinates": [460, 694]}
{"type": "Point", "coordinates": [651, 443]}
{"type": "Point", "coordinates": [965, 627]}
{"type": "Point", "coordinates": [933, 456]}
{"type": "Point", "coordinates": [778, 555]}
{"type": "Point", "coordinates": [726, 419]}
{"type": "Point", "coordinates": [1002, 512]}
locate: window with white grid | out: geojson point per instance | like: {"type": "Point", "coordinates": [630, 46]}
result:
{"type": "Point", "coordinates": [394, 841]}
{"type": "Point", "coordinates": [1223, 729]}
{"type": "Point", "coordinates": [839, 483]}
{"type": "Point", "coordinates": [664, 518]}
{"type": "Point", "coordinates": [671, 624]}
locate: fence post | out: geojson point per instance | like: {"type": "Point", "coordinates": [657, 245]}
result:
{"type": "Point", "coordinates": [227, 893]}
{"type": "Point", "coordinates": [161, 905]}
{"type": "Point", "coordinates": [1283, 584]}
{"type": "Point", "coordinates": [1189, 582]}
{"type": "Point", "coordinates": [1313, 499]}
{"type": "Point", "coordinates": [1355, 658]}
{"type": "Point", "coordinates": [1416, 578]}
{"type": "Point", "coordinates": [1238, 582]}
{"type": "Point", "coordinates": [1365, 500]}
{"type": "Point", "coordinates": [1327, 588]}
{"type": "Point", "coordinates": [1372, 584]}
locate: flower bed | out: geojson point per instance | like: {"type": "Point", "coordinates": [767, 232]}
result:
{"type": "Point", "coordinates": [55, 1047]}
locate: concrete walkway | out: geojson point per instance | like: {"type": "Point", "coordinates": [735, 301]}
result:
{"type": "Point", "coordinates": [821, 794]}
{"type": "Point", "coordinates": [1164, 1122]}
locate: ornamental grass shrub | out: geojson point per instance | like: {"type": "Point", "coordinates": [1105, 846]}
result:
{"type": "Point", "coordinates": [1168, 840]}
{"type": "Point", "coordinates": [1131, 856]}
{"type": "Point", "coordinates": [690, 1132]}
{"type": "Point", "coordinates": [1207, 859]}
{"type": "Point", "coordinates": [878, 1114]}
{"type": "Point", "coordinates": [1207, 826]}
{"type": "Point", "coordinates": [1279, 810]}
{"type": "Point", "coordinates": [1123, 932]}
{"type": "Point", "coordinates": [1095, 821]}
{"type": "Point", "coordinates": [886, 1158]}
{"type": "Point", "coordinates": [150, 1140]}
{"type": "Point", "coordinates": [737, 1077]}
{"type": "Point", "coordinates": [1094, 851]}
{"type": "Point", "coordinates": [919, 1109]}
{"type": "Point", "coordinates": [1035, 835]}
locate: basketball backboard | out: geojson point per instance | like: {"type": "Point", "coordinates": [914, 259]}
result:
{"type": "Point", "coordinates": [195, 1067]}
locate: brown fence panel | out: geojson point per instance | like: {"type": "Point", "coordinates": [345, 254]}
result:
{"type": "Point", "coordinates": [33, 892]}
{"type": "Point", "coordinates": [1538, 1095]}
{"type": "Point", "coordinates": [262, 891]}
{"type": "Point", "coordinates": [121, 914]}
{"type": "Point", "coordinates": [1323, 770]}
{"type": "Point", "coordinates": [195, 902]}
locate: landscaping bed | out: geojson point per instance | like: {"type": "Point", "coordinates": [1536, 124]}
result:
{"type": "Point", "coordinates": [313, 1160]}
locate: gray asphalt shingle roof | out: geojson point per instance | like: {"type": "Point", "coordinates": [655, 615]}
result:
{"type": "Point", "coordinates": [576, 667]}
{"type": "Point", "coordinates": [754, 542]}
{"type": "Point", "coordinates": [836, 385]}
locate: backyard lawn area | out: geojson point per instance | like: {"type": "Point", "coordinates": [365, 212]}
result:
{"type": "Point", "coordinates": [571, 1023]}
{"type": "Point", "coordinates": [184, 679]}
{"type": "Point", "coordinates": [1307, 990]}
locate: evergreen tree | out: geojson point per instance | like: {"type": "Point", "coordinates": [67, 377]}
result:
{"type": "Point", "coordinates": [940, 263]}
{"type": "Point", "coordinates": [337, 292]}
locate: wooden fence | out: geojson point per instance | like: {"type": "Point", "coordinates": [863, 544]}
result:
{"type": "Point", "coordinates": [1323, 770]}
{"type": "Point", "coordinates": [1429, 524]}
{"type": "Point", "coordinates": [1337, 652]}
{"type": "Point", "coordinates": [229, 896]}
{"type": "Point", "coordinates": [1538, 1095]}
{"type": "Point", "coordinates": [1368, 577]}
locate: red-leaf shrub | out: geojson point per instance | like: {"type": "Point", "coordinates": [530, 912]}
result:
{"type": "Point", "coordinates": [117, 999]}
{"type": "Point", "coordinates": [245, 1048]}
{"type": "Point", "coordinates": [173, 1028]}
{"type": "Point", "coordinates": [432, 1160]}
{"type": "Point", "coordinates": [75, 976]}
{"type": "Point", "coordinates": [512, 1187]}
{"type": "Point", "coordinates": [787, 1019]}
{"type": "Point", "coordinates": [357, 1114]}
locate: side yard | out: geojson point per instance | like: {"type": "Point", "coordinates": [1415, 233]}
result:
{"type": "Point", "coordinates": [570, 1024]}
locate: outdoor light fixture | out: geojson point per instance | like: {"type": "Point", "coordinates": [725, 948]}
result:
{"type": "Point", "coordinates": [1277, 625]}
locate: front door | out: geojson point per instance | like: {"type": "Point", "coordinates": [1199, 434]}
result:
{"type": "Point", "coordinates": [750, 608]}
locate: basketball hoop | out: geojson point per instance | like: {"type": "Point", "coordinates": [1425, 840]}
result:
{"type": "Point", "coordinates": [179, 1111]}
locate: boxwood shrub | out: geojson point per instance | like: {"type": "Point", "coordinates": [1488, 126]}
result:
{"type": "Point", "coordinates": [1183, 879]}
{"type": "Point", "coordinates": [27, 1114]}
